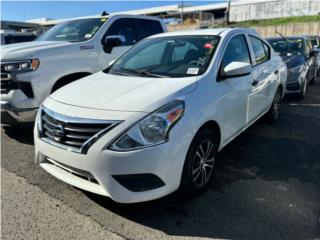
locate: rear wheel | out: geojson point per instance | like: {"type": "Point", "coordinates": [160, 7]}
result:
{"type": "Point", "coordinates": [273, 113]}
{"type": "Point", "coordinates": [199, 164]}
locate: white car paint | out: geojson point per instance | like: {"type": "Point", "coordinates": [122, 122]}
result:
{"type": "Point", "coordinates": [57, 60]}
{"type": "Point", "coordinates": [234, 104]}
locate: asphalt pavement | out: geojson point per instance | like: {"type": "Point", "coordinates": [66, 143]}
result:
{"type": "Point", "coordinates": [266, 186]}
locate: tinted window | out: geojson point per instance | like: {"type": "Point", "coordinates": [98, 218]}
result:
{"type": "Point", "coordinates": [292, 46]}
{"type": "Point", "coordinates": [261, 50]}
{"type": "Point", "coordinates": [146, 28]}
{"type": "Point", "coordinates": [124, 27]}
{"type": "Point", "coordinates": [18, 39]}
{"type": "Point", "coordinates": [236, 51]}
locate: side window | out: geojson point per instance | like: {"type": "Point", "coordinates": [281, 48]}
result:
{"type": "Point", "coordinates": [123, 27]}
{"type": "Point", "coordinates": [260, 49]}
{"type": "Point", "coordinates": [236, 51]}
{"type": "Point", "coordinates": [146, 27]}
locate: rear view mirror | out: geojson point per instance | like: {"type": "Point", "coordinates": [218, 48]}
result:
{"type": "Point", "coordinates": [112, 41]}
{"type": "Point", "coordinates": [236, 69]}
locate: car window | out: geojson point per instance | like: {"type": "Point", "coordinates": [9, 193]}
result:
{"type": "Point", "coordinates": [146, 28]}
{"type": "Point", "coordinates": [150, 56]}
{"type": "Point", "coordinates": [73, 31]}
{"type": "Point", "coordinates": [180, 52]}
{"type": "Point", "coordinates": [172, 56]}
{"type": "Point", "coordinates": [260, 49]}
{"type": "Point", "coordinates": [236, 51]}
{"type": "Point", "coordinates": [124, 27]}
{"type": "Point", "coordinates": [18, 39]}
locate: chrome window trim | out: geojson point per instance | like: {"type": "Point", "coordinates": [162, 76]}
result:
{"type": "Point", "coordinates": [67, 119]}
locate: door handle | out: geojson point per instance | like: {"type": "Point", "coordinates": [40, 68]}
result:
{"type": "Point", "coordinates": [255, 83]}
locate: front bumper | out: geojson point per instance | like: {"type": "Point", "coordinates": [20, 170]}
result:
{"type": "Point", "coordinates": [294, 81]}
{"type": "Point", "coordinates": [98, 170]}
{"type": "Point", "coordinates": [12, 115]}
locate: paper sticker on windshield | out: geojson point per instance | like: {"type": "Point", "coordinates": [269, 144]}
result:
{"type": "Point", "coordinates": [193, 71]}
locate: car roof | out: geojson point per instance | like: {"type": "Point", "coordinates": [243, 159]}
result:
{"type": "Point", "coordinates": [212, 31]}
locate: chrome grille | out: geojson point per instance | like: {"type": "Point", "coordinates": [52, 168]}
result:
{"type": "Point", "coordinates": [6, 83]}
{"type": "Point", "coordinates": [75, 134]}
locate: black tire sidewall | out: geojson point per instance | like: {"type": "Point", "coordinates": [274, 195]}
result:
{"type": "Point", "coordinates": [187, 185]}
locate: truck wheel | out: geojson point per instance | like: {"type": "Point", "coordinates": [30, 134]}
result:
{"type": "Point", "coordinates": [199, 164]}
{"type": "Point", "coordinates": [273, 113]}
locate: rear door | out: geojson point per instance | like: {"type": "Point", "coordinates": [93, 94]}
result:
{"type": "Point", "coordinates": [262, 77]}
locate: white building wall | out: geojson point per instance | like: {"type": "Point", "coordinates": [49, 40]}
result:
{"type": "Point", "coordinates": [266, 9]}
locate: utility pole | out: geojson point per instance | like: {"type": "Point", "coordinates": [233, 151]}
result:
{"type": "Point", "coordinates": [227, 13]}
{"type": "Point", "coordinates": [181, 14]}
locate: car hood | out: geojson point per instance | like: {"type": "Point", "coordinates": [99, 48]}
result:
{"type": "Point", "coordinates": [28, 49]}
{"type": "Point", "coordinates": [124, 93]}
{"type": "Point", "coordinates": [293, 61]}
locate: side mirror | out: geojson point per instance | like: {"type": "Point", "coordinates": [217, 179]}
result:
{"type": "Point", "coordinates": [236, 69]}
{"type": "Point", "coordinates": [112, 41]}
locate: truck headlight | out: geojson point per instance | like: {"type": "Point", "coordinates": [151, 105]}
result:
{"type": "Point", "coordinates": [297, 69]}
{"type": "Point", "coordinates": [21, 66]}
{"type": "Point", "coordinates": [151, 130]}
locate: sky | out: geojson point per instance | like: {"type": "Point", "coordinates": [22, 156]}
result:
{"type": "Point", "coordinates": [25, 10]}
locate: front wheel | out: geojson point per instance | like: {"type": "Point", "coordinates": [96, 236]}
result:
{"type": "Point", "coordinates": [199, 164]}
{"type": "Point", "coordinates": [273, 113]}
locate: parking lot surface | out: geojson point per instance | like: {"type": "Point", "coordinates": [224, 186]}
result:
{"type": "Point", "coordinates": [266, 186]}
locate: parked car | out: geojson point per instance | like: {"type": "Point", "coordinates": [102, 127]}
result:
{"type": "Point", "coordinates": [300, 58]}
{"type": "Point", "coordinates": [10, 37]}
{"type": "Point", "coordinates": [315, 42]}
{"type": "Point", "coordinates": [155, 119]}
{"type": "Point", "coordinates": [65, 53]}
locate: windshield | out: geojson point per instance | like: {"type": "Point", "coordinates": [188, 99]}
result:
{"type": "Point", "coordinates": [293, 46]}
{"type": "Point", "coordinates": [73, 31]}
{"type": "Point", "coordinates": [175, 56]}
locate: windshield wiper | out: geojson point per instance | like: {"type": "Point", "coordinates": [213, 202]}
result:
{"type": "Point", "coordinates": [144, 72]}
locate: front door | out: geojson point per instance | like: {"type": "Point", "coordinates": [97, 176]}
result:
{"type": "Point", "coordinates": [124, 28]}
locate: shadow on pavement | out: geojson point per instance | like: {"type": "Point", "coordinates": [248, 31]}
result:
{"type": "Point", "coordinates": [23, 134]}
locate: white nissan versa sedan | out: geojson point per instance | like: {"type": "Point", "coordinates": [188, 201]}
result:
{"type": "Point", "coordinates": [154, 120]}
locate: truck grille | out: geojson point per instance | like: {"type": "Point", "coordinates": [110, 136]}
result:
{"type": "Point", "coordinates": [74, 134]}
{"type": "Point", "coordinates": [8, 84]}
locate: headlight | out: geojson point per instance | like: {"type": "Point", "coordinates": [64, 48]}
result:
{"type": "Point", "coordinates": [152, 130]}
{"type": "Point", "coordinates": [22, 66]}
{"type": "Point", "coordinates": [296, 69]}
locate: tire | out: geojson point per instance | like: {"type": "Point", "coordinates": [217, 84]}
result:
{"type": "Point", "coordinates": [273, 113]}
{"type": "Point", "coordinates": [313, 80]}
{"type": "Point", "coordinates": [303, 90]}
{"type": "Point", "coordinates": [199, 164]}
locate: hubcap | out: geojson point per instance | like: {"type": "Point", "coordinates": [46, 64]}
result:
{"type": "Point", "coordinates": [203, 163]}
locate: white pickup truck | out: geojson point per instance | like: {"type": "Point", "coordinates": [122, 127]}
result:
{"type": "Point", "coordinates": [71, 50]}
